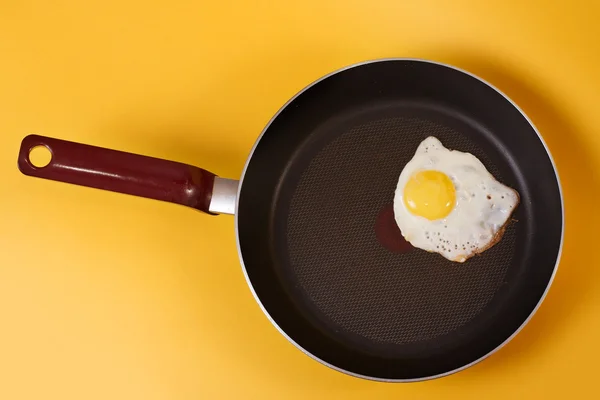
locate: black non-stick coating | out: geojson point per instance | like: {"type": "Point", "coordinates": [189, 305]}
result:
{"type": "Point", "coordinates": [324, 170]}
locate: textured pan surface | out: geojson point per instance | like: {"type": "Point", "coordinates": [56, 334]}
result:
{"type": "Point", "coordinates": [342, 268]}
{"type": "Point", "coordinates": [371, 297]}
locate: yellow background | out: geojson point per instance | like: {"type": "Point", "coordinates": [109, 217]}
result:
{"type": "Point", "coordinates": [105, 296]}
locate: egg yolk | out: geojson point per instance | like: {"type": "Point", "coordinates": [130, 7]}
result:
{"type": "Point", "coordinates": [429, 194]}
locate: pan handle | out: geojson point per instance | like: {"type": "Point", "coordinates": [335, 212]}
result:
{"type": "Point", "coordinates": [128, 173]}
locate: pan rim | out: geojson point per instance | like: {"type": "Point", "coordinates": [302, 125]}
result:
{"type": "Point", "coordinates": [424, 378]}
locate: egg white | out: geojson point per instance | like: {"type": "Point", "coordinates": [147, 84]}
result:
{"type": "Point", "coordinates": [482, 209]}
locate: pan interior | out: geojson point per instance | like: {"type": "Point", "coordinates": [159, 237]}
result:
{"type": "Point", "coordinates": [323, 171]}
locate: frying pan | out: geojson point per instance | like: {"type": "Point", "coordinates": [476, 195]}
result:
{"type": "Point", "coordinates": [315, 229]}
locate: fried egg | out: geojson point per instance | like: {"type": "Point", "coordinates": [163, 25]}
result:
{"type": "Point", "coordinates": [447, 202]}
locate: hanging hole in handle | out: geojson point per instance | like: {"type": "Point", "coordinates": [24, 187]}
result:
{"type": "Point", "coordinates": [40, 156]}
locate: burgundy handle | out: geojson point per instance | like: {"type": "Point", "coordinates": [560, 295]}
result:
{"type": "Point", "coordinates": [118, 171]}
